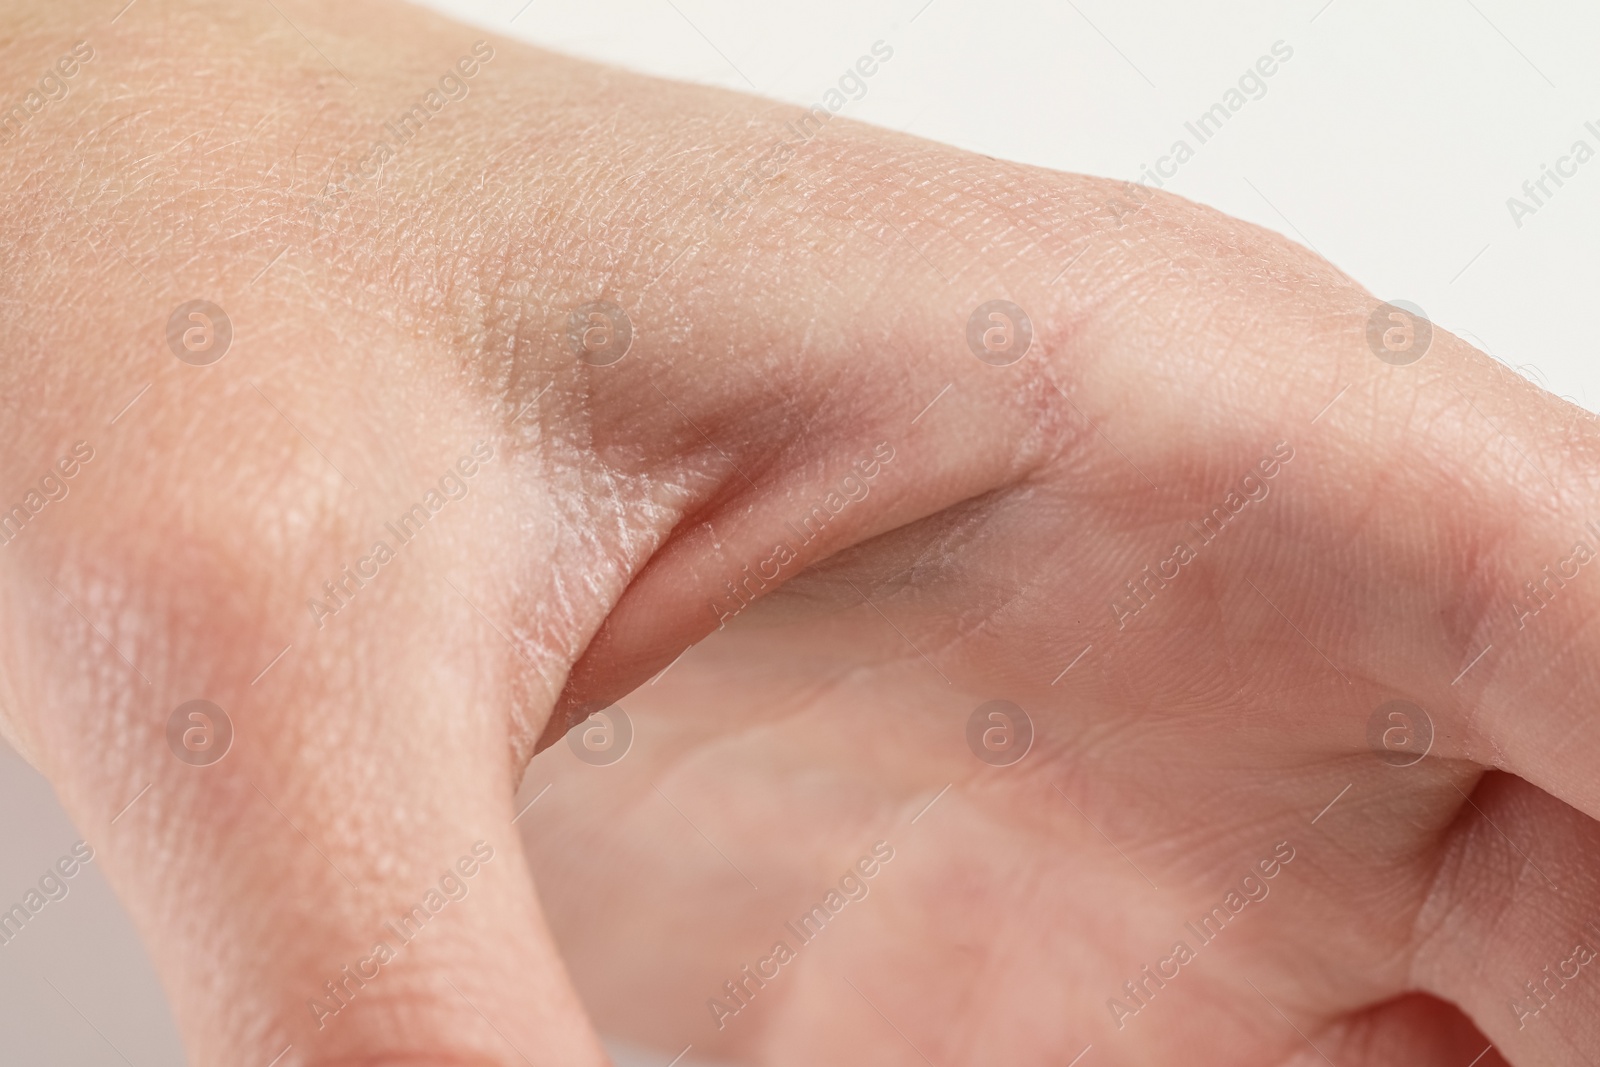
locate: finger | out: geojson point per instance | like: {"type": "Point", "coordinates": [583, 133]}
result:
{"type": "Point", "coordinates": [1509, 930]}
{"type": "Point", "coordinates": [1527, 598]}
{"type": "Point", "coordinates": [342, 883]}
{"type": "Point", "coordinates": [1415, 1030]}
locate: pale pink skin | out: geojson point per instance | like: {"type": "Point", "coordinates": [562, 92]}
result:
{"type": "Point", "coordinates": [774, 347]}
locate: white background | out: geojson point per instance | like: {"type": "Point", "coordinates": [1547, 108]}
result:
{"type": "Point", "coordinates": [1389, 143]}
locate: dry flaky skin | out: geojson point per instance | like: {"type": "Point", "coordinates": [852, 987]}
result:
{"type": "Point", "coordinates": [381, 334]}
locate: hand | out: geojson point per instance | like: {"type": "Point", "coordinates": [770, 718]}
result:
{"type": "Point", "coordinates": [799, 323]}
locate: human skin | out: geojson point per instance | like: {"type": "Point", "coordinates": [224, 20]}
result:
{"type": "Point", "coordinates": [775, 345]}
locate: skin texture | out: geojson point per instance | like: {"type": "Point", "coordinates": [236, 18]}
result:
{"type": "Point", "coordinates": [382, 331]}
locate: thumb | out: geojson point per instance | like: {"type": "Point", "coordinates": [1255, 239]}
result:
{"type": "Point", "coordinates": [319, 855]}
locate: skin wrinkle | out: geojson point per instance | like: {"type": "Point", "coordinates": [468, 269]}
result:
{"type": "Point", "coordinates": [1445, 889]}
